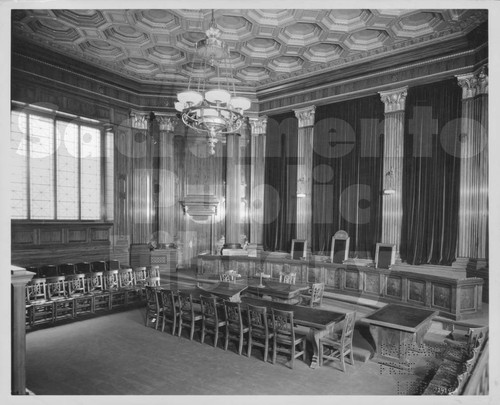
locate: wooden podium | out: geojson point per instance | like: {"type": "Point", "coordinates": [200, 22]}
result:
{"type": "Point", "coordinates": [165, 259]}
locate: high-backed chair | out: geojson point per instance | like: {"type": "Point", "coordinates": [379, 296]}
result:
{"type": "Point", "coordinates": [288, 278]}
{"type": "Point", "coordinates": [212, 318]}
{"type": "Point", "coordinates": [141, 278]}
{"type": "Point", "coordinates": [315, 296]}
{"type": "Point", "coordinates": [154, 271]}
{"type": "Point", "coordinates": [259, 333]}
{"type": "Point", "coordinates": [168, 309]}
{"type": "Point", "coordinates": [76, 286]}
{"type": "Point", "coordinates": [126, 283]}
{"type": "Point", "coordinates": [96, 287]}
{"type": "Point", "coordinates": [235, 327]}
{"type": "Point", "coordinates": [286, 338]}
{"type": "Point", "coordinates": [188, 315]}
{"type": "Point", "coordinates": [67, 269]}
{"type": "Point", "coordinates": [38, 308]}
{"type": "Point", "coordinates": [225, 277]}
{"type": "Point", "coordinates": [112, 286]}
{"type": "Point", "coordinates": [340, 345]}
{"type": "Point", "coordinates": [64, 306]}
{"type": "Point", "coordinates": [153, 310]}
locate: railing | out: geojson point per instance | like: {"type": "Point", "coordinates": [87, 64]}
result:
{"type": "Point", "coordinates": [478, 382]}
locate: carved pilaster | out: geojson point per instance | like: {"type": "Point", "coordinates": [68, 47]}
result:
{"type": "Point", "coordinates": [305, 116]}
{"type": "Point", "coordinates": [256, 206]}
{"type": "Point", "coordinates": [392, 203]}
{"type": "Point", "coordinates": [166, 122]}
{"type": "Point", "coordinates": [394, 100]}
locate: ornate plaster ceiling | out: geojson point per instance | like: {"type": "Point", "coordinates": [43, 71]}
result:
{"type": "Point", "coordinates": [157, 46]}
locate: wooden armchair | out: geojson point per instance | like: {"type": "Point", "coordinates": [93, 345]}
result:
{"type": "Point", "coordinates": [39, 309]}
{"type": "Point", "coordinates": [77, 288]}
{"type": "Point", "coordinates": [235, 328]}
{"type": "Point", "coordinates": [340, 346]}
{"type": "Point", "coordinates": [259, 333]}
{"type": "Point", "coordinates": [286, 338]}
{"type": "Point", "coordinates": [64, 306]}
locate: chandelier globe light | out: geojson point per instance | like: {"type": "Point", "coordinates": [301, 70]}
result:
{"type": "Point", "coordinates": [212, 106]}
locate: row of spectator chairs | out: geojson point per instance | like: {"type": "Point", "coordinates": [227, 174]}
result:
{"type": "Point", "coordinates": [69, 291]}
{"type": "Point", "coordinates": [459, 358]}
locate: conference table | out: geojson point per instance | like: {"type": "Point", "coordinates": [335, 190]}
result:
{"type": "Point", "coordinates": [396, 329]}
{"type": "Point", "coordinates": [319, 321]}
{"type": "Point", "coordinates": [281, 292]}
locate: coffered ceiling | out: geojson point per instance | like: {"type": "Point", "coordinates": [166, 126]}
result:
{"type": "Point", "coordinates": [157, 46]}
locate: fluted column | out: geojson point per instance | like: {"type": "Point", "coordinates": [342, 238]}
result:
{"type": "Point", "coordinates": [19, 278]}
{"type": "Point", "coordinates": [392, 202]}
{"type": "Point", "coordinates": [166, 197]}
{"type": "Point", "coordinates": [473, 210]}
{"type": "Point", "coordinates": [258, 153]}
{"type": "Point", "coordinates": [305, 117]}
{"type": "Point", "coordinates": [233, 193]}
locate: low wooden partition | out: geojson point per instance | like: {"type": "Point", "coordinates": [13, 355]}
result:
{"type": "Point", "coordinates": [452, 297]}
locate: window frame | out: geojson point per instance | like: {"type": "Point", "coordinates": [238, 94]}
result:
{"type": "Point", "coordinates": [81, 122]}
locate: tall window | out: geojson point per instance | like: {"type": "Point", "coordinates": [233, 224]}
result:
{"type": "Point", "coordinates": [61, 169]}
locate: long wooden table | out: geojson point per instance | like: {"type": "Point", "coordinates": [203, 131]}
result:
{"type": "Point", "coordinates": [319, 321]}
{"type": "Point", "coordinates": [396, 329]}
{"type": "Point", "coordinates": [288, 293]}
{"type": "Point", "coordinates": [224, 290]}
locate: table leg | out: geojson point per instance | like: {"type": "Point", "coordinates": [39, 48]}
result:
{"type": "Point", "coordinates": [314, 336]}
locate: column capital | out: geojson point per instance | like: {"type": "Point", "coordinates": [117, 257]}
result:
{"type": "Point", "coordinates": [394, 100]}
{"type": "Point", "coordinates": [473, 84]}
{"type": "Point", "coordinates": [258, 125]}
{"type": "Point", "coordinates": [139, 119]}
{"type": "Point", "coordinates": [305, 116]}
{"type": "Point", "coordinates": [166, 122]}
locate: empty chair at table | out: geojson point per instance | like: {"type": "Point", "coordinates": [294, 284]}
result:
{"type": "Point", "coordinates": [339, 346]}
{"type": "Point", "coordinates": [189, 314]}
{"type": "Point", "coordinates": [288, 278]}
{"type": "Point", "coordinates": [141, 277]}
{"type": "Point", "coordinates": [236, 327]}
{"type": "Point", "coordinates": [314, 298]}
{"type": "Point", "coordinates": [168, 309]}
{"type": "Point", "coordinates": [286, 339]}
{"type": "Point", "coordinates": [67, 269]}
{"type": "Point", "coordinates": [212, 318]}
{"type": "Point", "coordinates": [259, 333]}
{"type": "Point", "coordinates": [153, 310]}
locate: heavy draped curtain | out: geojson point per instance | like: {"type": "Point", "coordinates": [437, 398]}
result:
{"type": "Point", "coordinates": [347, 174]}
{"type": "Point", "coordinates": [280, 204]}
{"type": "Point", "coordinates": [431, 173]}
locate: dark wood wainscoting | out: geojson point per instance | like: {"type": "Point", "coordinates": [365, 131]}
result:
{"type": "Point", "coordinates": [41, 243]}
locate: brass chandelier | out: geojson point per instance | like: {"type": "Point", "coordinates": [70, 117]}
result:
{"type": "Point", "coordinates": [211, 106]}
